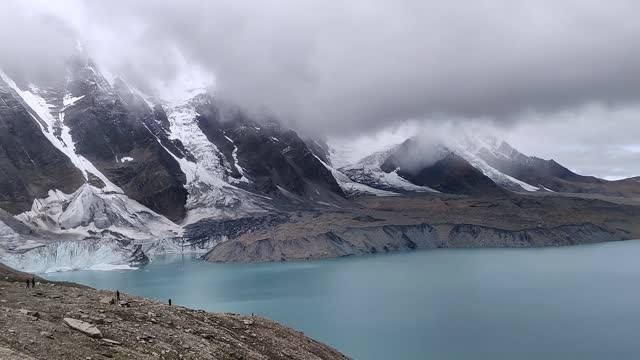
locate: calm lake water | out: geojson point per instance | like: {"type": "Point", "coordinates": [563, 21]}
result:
{"type": "Point", "coordinates": [579, 302]}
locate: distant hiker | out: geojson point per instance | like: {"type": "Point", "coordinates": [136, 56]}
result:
{"type": "Point", "coordinates": [117, 295]}
{"type": "Point", "coordinates": [169, 302]}
{"type": "Point", "coordinates": [33, 281]}
{"type": "Point", "coordinates": [28, 283]}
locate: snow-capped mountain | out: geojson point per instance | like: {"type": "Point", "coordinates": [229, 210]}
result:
{"type": "Point", "coordinates": [471, 165]}
{"type": "Point", "coordinates": [91, 158]}
{"type": "Point", "coordinates": [438, 167]}
{"type": "Point", "coordinates": [183, 158]}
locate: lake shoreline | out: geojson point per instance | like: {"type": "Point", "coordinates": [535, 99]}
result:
{"type": "Point", "coordinates": [446, 304]}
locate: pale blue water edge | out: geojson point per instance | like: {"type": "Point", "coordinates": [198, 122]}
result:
{"type": "Point", "coordinates": [580, 302]}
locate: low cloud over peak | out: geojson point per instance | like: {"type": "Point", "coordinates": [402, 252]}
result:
{"type": "Point", "coordinates": [351, 67]}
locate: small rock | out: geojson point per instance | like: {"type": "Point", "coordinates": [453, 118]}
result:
{"type": "Point", "coordinates": [84, 327]}
{"type": "Point", "coordinates": [124, 303]}
{"type": "Point", "coordinates": [111, 342]}
{"type": "Point", "coordinates": [30, 313]}
{"type": "Point", "coordinates": [46, 334]}
{"type": "Point", "coordinates": [247, 322]}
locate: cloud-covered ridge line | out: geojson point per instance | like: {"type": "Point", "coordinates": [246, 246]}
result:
{"type": "Point", "coordinates": [336, 68]}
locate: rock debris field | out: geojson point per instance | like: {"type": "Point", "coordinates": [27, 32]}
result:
{"type": "Point", "coordinates": [68, 321]}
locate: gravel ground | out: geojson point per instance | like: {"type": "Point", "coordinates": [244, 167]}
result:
{"type": "Point", "coordinates": [33, 326]}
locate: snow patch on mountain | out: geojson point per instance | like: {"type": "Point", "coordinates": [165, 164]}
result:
{"type": "Point", "coordinates": [470, 148]}
{"type": "Point", "coordinates": [498, 177]}
{"type": "Point", "coordinates": [69, 100]}
{"type": "Point", "coordinates": [209, 195]}
{"type": "Point", "coordinates": [184, 127]}
{"type": "Point", "coordinates": [368, 172]}
{"type": "Point", "coordinates": [352, 188]}
{"type": "Point", "coordinates": [91, 212]}
{"type": "Point", "coordinates": [234, 154]}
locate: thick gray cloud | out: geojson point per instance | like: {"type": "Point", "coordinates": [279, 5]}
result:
{"type": "Point", "coordinates": [345, 65]}
{"type": "Point", "coordinates": [33, 44]}
{"type": "Point", "coordinates": [348, 64]}
{"type": "Point", "coordinates": [356, 66]}
{"type": "Point", "coordinates": [592, 140]}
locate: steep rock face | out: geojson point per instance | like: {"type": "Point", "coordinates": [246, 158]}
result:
{"type": "Point", "coordinates": [116, 136]}
{"type": "Point", "coordinates": [29, 164]}
{"type": "Point", "coordinates": [320, 149]}
{"type": "Point", "coordinates": [271, 157]}
{"type": "Point", "coordinates": [438, 168]}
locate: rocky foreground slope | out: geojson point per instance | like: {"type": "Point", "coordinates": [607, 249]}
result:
{"type": "Point", "coordinates": [67, 321]}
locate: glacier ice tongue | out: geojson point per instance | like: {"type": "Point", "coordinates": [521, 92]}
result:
{"type": "Point", "coordinates": [97, 254]}
{"type": "Point", "coordinates": [91, 211]}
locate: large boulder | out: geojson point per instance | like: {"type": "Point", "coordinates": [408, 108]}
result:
{"type": "Point", "coordinates": [83, 327]}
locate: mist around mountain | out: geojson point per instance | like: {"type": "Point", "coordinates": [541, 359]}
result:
{"type": "Point", "coordinates": [92, 165]}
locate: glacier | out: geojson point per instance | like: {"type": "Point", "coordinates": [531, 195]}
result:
{"type": "Point", "coordinates": [91, 212]}
{"type": "Point", "coordinates": [88, 254]}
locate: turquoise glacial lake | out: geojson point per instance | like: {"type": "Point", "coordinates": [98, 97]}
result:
{"type": "Point", "coordinates": [580, 302]}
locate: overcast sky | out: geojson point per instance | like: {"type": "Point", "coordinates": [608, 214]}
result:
{"type": "Point", "coordinates": [558, 78]}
